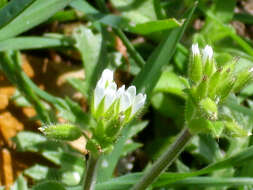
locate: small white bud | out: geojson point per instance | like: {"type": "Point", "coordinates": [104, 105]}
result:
{"type": "Point", "coordinates": [195, 49]}
{"type": "Point", "coordinates": [207, 53]}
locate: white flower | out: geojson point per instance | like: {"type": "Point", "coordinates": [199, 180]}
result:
{"type": "Point", "coordinates": [195, 49]}
{"type": "Point", "coordinates": [129, 99]}
{"type": "Point", "coordinates": [207, 53]}
{"type": "Point", "coordinates": [105, 89]}
{"type": "Point", "coordinates": [107, 95]}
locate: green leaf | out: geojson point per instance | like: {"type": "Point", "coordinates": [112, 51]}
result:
{"type": "Point", "coordinates": [34, 14]}
{"type": "Point", "coordinates": [207, 148]}
{"type": "Point", "coordinates": [170, 82]}
{"type": "Point", "coordinates": [154, 26]}
{"type": "Point", "coordinates": [94, 15]}
{"type": "Point", "coordinates": [20, 184]}
{"type": "Point", "coordinates": [130, 147]}
{"type": "Point", "coordinates": [224, 10]}
{"type": "Point", "coordinates": [160, 102]}
{"type": "Point", "coordinates": [244, 17]}
{"type": "Point", "coordinates": [23, 43]}
{"type": "Point", "coordinates": [79, 85]}
{"type": "Point", "coordinates": [3, 3]}
{"type": "Point", "coordinates": [12, 9]}
{"type": "Point", "coordinates": [119, 22]}
{"type": "Point", "coordinates": [214, 182]}
{"type": "Point", "coordinates": [93, 52]}
{"type": "Point", "coordinates": [146, 80]}
{"type": "Point", "coordinates": [34, 142]}
{"type": "Point", "coordinates": [39, 172]}
{"type": "Point", "coordinates": [65, 175]}
{"type": "Point", "coordinates": [137, 11]}
{"type": "Point", "coordinates": [51, 185]}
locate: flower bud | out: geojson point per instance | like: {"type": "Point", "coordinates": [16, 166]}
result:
{"type": "Point", "coordinates": [235, 130]}
{"type": "Point", "coordinates": [195, 67]}
{"type": "Point", "coordinates": [67, 132]}
{"type": "Point", "coordinates": [202, 89]}
{"type": "Point", "coordinates": [208, 62]}
{"type": "Point", "coordinates": [242, 79]}
{"type": "Point", "coordinates": [214, 81]}
{"type": "Point", "coordinates": [225, 88]}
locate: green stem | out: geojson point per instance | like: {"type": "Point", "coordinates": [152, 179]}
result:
{"type": "Point", "coordinates": [164, 161]}
{"type": "Point", "coordinates": [91, 173]}
{"type": "Point", "coordinates": [130, 48]}
{"type": "Point", "coordinates": [132, 51]}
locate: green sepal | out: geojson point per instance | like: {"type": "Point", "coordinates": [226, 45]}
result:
{"type": "Point", "coordinates": [127, 114]}
{"type": "Point", "coordinates": [100, 109]}
{"type": "Point", "coordinates": [195, 68]}
{"type": "Point", "coordinates": [217, 129]}
{"type": "Point", "coordinates": [202, 89]}
{"type": "Point", "coordinates": [225, 88]}
{"type": "Point", "coordinates": [213, 83]}
{"type": "Point", "coordinates": [235, 130]}
{"type": "Point", "coordinates": [200, 125]}
{"type": "Point", "coordinates": [184, 81]}
{"type": "Point", "coordinates": [66, 131]}
{"type": "Point", "coordinates": [113, 128]}
{"type": "Point", "coordinates": [242, 79]}
{"type": "Point", "coordinates": [210, 108]}
{"type": "Point", "coordinates": [209, 67]}
{"type": "Point", "coordinates": [94, 147]}
{"type": "Point", "coordinates": [99, 131]}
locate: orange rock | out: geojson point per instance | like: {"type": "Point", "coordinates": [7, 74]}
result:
{"type": "Point", "coordinates": [79, 144]}
{"type": "Point", "coordinates": [27, 67]}
{"type": "Point", "coordinates": [7, 90]}
{"type": "Point", "coordinates": [3, 101]}
{"type": "Point", "coordinates": [9, 126]}
{"type": "Point", "coordinates": [29, 111]}
{"type": "Point", "coordinates": [7, 168]}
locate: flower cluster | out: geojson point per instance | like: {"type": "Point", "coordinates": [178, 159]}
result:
{"type": "Point", "coordinates": [108, 101]}
{"type": "Point", "coordinates": [209, 86]}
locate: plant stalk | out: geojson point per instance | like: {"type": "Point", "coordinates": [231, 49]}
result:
{"type": "Point", "coordinates": [164, 161]}
{"type": "Point", "coordinates": [91, 172]}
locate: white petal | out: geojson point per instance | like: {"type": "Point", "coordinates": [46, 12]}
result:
{"type": "Point", "coordinates": [195, 49]}
{"type": "Point", "coordinates": [106, 78]}
{"type": "Point", "coordinates": [120, 91]}
{"type": "Point", "coordinates": [139, 102]}
{"type": "Point", "coordinates": [207, 52]}
{"type": "Point", "coordinates": [107, 75]}
{"type": "Point", "coordinates": [125, 102]}
{"type": "Point", "coordinates": [99, 93]}
{"type": "Point", "coordinates": [132, 92]}
{"type": "Point", "coordinates": [110, 95]}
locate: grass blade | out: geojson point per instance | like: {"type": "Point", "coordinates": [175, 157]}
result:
{"type": "Point", "coordinates": [24, 43]}
{"type": "Point", "coordinates": [34, 14]}
{"type": "Point", "coordinates": [12, 9]}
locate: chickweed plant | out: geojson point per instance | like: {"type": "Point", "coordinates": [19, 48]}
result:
{"type": "Point", "coordinates": [195, 130]}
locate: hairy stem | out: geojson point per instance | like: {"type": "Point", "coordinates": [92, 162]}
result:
{"type": "Point", "coordinates": [91, 173]}
{"type": "Point", "coordinates": [164, 161]}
